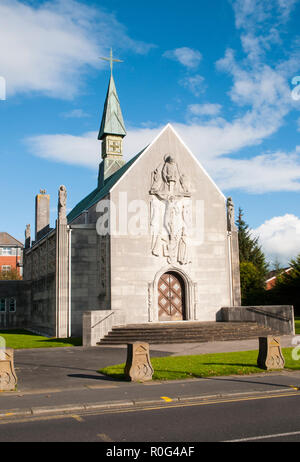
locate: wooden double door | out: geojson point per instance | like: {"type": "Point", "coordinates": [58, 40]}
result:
{"type": "Point", "coordinates": [171, 297]}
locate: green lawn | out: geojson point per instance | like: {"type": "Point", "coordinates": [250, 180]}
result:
{"type": "Point", "coordinates": [207, 365]}
{"type": "Point", "coordinates": [21, 339]}
{"type": "Point", "coordinates": [297, 326]}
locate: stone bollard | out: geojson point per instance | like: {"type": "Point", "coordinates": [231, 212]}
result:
{"type": "Point", "coordinates": [270, 355]}
{"type": "Point", "coordinates": [138, 365]}
{"type": "Point", "coordinates": [8, 378]}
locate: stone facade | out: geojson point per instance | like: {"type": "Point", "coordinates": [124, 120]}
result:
{"type": "Point", "coordinates": [207, 272]}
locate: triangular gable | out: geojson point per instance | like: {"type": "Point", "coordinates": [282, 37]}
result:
{"type": "Point", "coordinates": [169, 126]}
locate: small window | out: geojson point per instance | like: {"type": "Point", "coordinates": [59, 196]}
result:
{"type": "Point", "coordinates": [12, 305]}
{"type": "Point", "coordinates": [6, 268]}
{"type": "Point", "coordinates": [2, 305]}
{"type": "Point", "coordinates": [7, 251]}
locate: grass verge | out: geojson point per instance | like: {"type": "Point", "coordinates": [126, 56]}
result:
{"type": "Point", "coordinates": [207, 365]}
{"type": "Point", "coordinates": [297, 326]}
{"type": "Point", "coordinates": [22, 339]}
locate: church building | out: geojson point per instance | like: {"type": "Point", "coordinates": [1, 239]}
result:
{"type": "Point", "coordinates": [154, 242]}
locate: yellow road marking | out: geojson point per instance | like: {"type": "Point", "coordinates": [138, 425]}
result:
{"type": "Point", "coordinates": [166, 399]}
{"type": "Point", "coordinates": [150, 408]}
{"type": "Point", "coordinates": [78, 418]}
{"type": "Point", "coordinates": [105, 437]}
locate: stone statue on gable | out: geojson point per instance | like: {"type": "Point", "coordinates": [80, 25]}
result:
{"type": "Point", "coordinates": [230, 215]}
{"type": "Point", "coordinates": [62, 202]}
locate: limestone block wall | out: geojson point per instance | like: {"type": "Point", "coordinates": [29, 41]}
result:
{"type": "Point", "coordinates": [39, 272]}
{"type": "Point", "coordinates": [89, 273]}
{"type": "Point", "coordinates": [280, 318]}
{"type": "Point", "coordinates": [14, 304]}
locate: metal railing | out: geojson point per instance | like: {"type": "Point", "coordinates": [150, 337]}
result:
{"type": "Point", "coordinates": [102, 319]}
{"type": "Point", "coordinates": [269, 314]}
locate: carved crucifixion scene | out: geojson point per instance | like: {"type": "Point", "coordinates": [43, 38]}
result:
{"type": "Point", "coordinates": [170, 212]}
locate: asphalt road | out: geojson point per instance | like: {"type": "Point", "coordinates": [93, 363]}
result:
{"type": "Point", "coordinates": [266, 418]}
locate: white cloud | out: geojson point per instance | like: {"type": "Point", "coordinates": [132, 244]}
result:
{"type": "Point", "coordinates": [194, 83]}
{"type": "Point", "coordinates": [273, 172]}
{"type": "Point", "coordinates": [252, 14]}
{"type": "Point", "coordinates": [50, 47]}
{"type": "Point", "coordinates": [75, 150]}
{"type": "Point", "coordinates": [75, 114]}
{"type": "Point", "coordinates": [85, 149]}
{"type": "Point", "coordinates": [186, 56]}
{"type": "Point", "coordinates": [204, 109]}
{"type": "Point", "coordinates": [280, 238]}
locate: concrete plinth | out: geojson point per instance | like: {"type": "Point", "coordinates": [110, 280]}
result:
{"type": "Point", "coordinates": [8, 378]}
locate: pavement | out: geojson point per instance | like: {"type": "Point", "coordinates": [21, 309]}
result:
{"type": "Point", "coordinates": [54, 381]}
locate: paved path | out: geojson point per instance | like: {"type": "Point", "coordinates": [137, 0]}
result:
{"type": "Point", "coordinates": [55, 380]}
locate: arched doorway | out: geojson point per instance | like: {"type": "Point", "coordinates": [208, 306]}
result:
{"type": "Point", "coordinates": [171, 297]}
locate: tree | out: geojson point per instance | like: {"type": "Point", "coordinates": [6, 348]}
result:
{"type": "Point", "coordinates": [11, 275]}
{"type": "Point", "coordinates": [287, 288]}
{"type": "Point", "coordinates": [253, 265]}
{"type": "Point", "coordinates": [249, 249]}
{"type": "Point", "coordinates": [251, 286]}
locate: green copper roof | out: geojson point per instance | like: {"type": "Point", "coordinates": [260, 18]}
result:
{"type": "Point", "coordinates": [99, 193]}
{"type": "Point", "coordinates": [112, 120]}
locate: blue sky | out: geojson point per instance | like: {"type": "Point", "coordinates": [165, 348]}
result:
{"type": "Point", "coordinates": [220, 71]}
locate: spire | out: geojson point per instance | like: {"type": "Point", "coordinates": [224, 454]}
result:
{"type": "Point", "coordinates": [112, 131]}
{"type": "Point", "coordinates": [112, 120]}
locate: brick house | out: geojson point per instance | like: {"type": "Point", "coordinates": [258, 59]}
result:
{"type": "Point", "coordinates": [11, 253]}
{"type": "Point", "coordinates": [272, 277]}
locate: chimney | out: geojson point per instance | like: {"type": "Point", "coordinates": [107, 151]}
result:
{"type": "Point", "coordinates": [42, 214]}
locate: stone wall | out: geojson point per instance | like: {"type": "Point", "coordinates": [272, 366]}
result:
{"type": "Point", "coordinates": [279, 318]}
{"type": "Point", "coordinates": [89, 273]}
{"type": "Point", "coordinates": [95, 325]}
{"type": "Point", "coordinates": [39, 272]}
{"type": "Point", "coordinates": [14, 304]}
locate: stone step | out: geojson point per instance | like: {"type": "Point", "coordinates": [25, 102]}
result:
{"type": "Point", "coordinates": [168, 328]}
{"type": "Point", "coordinates": [184, 332]}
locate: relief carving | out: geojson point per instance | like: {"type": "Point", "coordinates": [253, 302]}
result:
{"type": "Point", "coordinates": [138, 366]}
{"type": "Point", "coordinates": [170, 212]}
